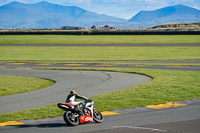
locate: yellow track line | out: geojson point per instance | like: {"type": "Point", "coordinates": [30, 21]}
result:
{"type": "Point", "coordinates": [104, 65]}
{"type": "Point", "coordinates": [106, 113]}
{"type": "Point", "coordinates": [11, 123]}
{"type": "Point", "coordinates": [73, 64]}
{"type": "Point", "coordinates": [167, 105]}
{"type": "Point", "coordinates": [45, 64]}
{"type": "Point", "coordinates": [16, 63]}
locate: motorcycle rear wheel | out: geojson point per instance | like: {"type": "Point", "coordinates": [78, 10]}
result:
{"type": "Point", "coordinates": [70, 118]}
{"type": "Point", "coordinates": [97, 116]}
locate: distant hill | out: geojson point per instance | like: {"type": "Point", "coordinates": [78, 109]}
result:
{"type": "Point", "coordinates": [172, 14]}
{"type": "Point", "coordinates": [47, 15]}
{"type": "Point", "coordinates": [178, 26]}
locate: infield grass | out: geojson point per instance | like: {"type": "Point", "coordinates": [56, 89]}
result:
{"type": "Point", "coordinates": [167, 85]}
{"type": "Point", "coordinates": [15, 84]}
{"type": "Point", "coordinates": [98, 39]}
{"type": "Point", "coordinates": [39, 54]}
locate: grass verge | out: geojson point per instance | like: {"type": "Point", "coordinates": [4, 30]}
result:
{"type": "Point", "coordinates": [16, 84]}
{"type": "Point", "coordinates": [38, 54]}
{"type": "Point", "coordinates": [167, 85]}
{"type": "Point", "coordinates": [98, 39]}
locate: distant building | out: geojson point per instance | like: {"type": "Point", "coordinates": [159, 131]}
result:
{"type": "Point", "coordinates": [106, 27]}
{"type": "Point", "coordinates": [94, 27]}
{"type": "Point", "coordinates": [71, 28]}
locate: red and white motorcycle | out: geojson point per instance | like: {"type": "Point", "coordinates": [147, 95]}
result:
{"type": "Point", "coordinates": [73, 116]}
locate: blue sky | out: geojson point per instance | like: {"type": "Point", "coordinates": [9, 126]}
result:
{"type": "Point", "coordinates": [118, 8]}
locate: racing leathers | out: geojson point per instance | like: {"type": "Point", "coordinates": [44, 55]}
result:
{"type": "Point", "coordinates": [79, 106]}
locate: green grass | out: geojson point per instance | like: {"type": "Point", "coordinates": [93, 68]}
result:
{"type": "Point", "coordinates": [98, 39]}
{"type": "Point", "coordinates": [14, 84]}
{"type": "Point", "coordinates": [167, 85]}
{"type": "Point", "coordinates": [37, 54]}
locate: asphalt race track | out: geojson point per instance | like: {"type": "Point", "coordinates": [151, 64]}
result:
{"type": "Point", "coordinates": [174, 120]}
{"type": "Point", "coordinates": [93, 64]}
{"type": "Point", "coordinates": [88, 83]}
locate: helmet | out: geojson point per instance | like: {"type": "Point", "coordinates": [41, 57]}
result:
{"type": "Point", "coordinates": [73, 92]}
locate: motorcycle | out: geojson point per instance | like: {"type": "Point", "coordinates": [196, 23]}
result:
{"type": "Point", "coordinates": [73, 116]}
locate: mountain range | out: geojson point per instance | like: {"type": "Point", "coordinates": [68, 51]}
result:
{"type": "Point", "coordinates": [48, 15]}
{"type": "Point", "coordinates": [173, 14]}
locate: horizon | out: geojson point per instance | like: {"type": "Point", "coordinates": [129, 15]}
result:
{"type": "Point", "coordinates": [120, 8]}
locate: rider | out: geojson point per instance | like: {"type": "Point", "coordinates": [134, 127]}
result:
{"type": "Point", "coordinates": [71, 98]}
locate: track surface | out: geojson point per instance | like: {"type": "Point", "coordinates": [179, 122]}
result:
{"type": "Point", "coordinates": [90, 64]}
{"type": "Point", "coordinates": [174, 120]}
{"type": "Point", "coordinates": [88, 83]}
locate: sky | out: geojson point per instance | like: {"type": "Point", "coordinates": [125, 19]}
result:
{"type": "Point", "coordinates": [118, 8]}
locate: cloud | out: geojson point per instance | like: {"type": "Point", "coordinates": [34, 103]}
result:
{"type": "Point", "coordinates": [196, 7]}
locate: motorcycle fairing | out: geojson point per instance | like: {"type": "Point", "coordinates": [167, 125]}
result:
{"type": "Point", "coordinates": [86, 118]}
{"type": "Point", "coordinates": [65, 106]}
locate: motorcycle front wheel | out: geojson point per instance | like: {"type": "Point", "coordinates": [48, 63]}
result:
{"type": "Point", "coordinates": [71, 118]}
{"type": "Point", "coordinates": [97, 116]}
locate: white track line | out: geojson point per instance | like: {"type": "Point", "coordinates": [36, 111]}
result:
{"type": "Point", "coordinates": [143, 128]}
